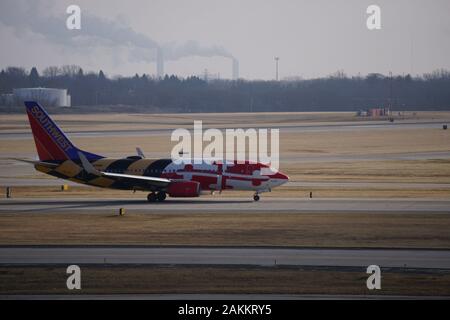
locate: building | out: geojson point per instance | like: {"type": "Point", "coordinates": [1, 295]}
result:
{"type": "Point", "coordinates": [374, 112]}
{"type": "Point", "coordinates": [362, 113]}
{"type": "Point", "coordinates": [378, 112]}
{"type": "Point", "coordinates": [46, 96]}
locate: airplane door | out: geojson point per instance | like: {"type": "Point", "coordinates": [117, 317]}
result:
{"type": "Point", "coordinates": [219, 176]}
{"type": "Point", "coordinates": [187, 174]}
{"type": "Point", "coordinates": [219, 182]}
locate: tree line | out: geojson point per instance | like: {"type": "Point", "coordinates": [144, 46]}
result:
{"type": "Point", "coordinates": [337, 92]}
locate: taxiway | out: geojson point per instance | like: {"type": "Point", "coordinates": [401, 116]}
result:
{"type": "Point", "coordinates": [387, 258]}
{"type": "Point", "coordinates": [222, 204]}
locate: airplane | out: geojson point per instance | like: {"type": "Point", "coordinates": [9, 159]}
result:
{"type": "Point", "coordinates": [60, 158]}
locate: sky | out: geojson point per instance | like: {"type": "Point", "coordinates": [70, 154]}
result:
{"type": "Point", "coordinates": [312, 38]}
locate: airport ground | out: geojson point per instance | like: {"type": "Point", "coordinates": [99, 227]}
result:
{"type": "Point", "coordinates": [172, 280]}
{"type": "Point", "coordinates": [375, 184]}
{"type": "Point", "coordinates": [326, 229]}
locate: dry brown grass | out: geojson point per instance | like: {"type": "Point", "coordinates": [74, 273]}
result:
{"type": "Point", "coordinates": [365, 142]}
{"type": "Point", "coordinates": [226, 280]}
{"type": "Point", "coordinates": [395, 171]}
{"type": "Point", "coordinates": [295, 147]}
{"type": "Point", "coordinates": [229, 229]}
{"type": "Point", "coordinates": [300, 143]}
{"type": "Point", "coordinates": [109, 121]}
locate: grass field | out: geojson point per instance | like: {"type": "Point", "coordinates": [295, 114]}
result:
{"type": "Point", "coordinates": [295, 148]}
{"type": "Point", "coordinates": [111, 121]}
{"type": "Point", "coordinates": [243, 280]}
{"type": "Point", "coordinates": [297, 143]}
{"type": "Point", "coordinates": [383, 230]}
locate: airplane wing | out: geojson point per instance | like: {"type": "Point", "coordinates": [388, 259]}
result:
{"type": "Point", "coordinates": [158, 182]}
{"type": "Point", "coordinates": [154, 181]}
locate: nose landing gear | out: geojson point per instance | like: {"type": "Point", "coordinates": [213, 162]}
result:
{"type": "Point", "coordinates": [153, 197]}
{"type": "Point", "coordinates": [258, 192]}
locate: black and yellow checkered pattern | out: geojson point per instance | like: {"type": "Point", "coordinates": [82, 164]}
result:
{"type": "Point", "coordinates": [72, 170]}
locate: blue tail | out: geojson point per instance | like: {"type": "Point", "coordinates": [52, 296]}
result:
{"type": "Point", "coordinates": [51, 141]}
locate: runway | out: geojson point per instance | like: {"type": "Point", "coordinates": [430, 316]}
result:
{"type": "Point", "coordinates": [428, 259]}
{"type": "Point", "coordinates": [224, 204]}
{"type": "Point", "coordinates": [47, 182]}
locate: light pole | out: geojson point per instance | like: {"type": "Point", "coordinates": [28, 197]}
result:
{"type": "Point", "coordinates": [276, 67]}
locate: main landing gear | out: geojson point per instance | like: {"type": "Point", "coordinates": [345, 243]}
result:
{"type": "Point", "coordinates": [153, 197]}
{"type": "Point", "coordinates": [256, 197]}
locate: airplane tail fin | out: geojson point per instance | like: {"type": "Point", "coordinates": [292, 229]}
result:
{"type": "Point", "coordinates": [51, 141]}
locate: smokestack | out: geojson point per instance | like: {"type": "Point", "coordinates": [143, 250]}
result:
{"type": "Point", "coordinates": [159, 63]}
{"type": "Point", "coordinates": [235, 68]}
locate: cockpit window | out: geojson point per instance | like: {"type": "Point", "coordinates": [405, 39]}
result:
{"type": "Point", "coordinates": [268, 171]}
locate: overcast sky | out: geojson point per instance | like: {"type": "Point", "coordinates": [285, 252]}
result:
{"type": "Point", "coordinates": [312, 38]}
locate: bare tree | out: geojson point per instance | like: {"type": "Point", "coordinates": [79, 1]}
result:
{"type": "Point", "coordinates": [70, 70]}
{"type": "Point", "coordinates": [51, 72]}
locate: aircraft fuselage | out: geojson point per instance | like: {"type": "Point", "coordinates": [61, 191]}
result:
{"type": "Point", "coordinates": [213, 176]}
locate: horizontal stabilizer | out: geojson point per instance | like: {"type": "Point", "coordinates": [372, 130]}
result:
{"type": "Point", "coordinates": [34, 162]}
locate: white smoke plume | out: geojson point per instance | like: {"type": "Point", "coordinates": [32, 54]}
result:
{"type": "Point", "coordinates": [27, 17]}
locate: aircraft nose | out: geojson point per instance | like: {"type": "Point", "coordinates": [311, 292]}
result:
{"type": "Point", "coordinates": [279, 178]}
{"type": "Point", "coordinates": [284, 177]}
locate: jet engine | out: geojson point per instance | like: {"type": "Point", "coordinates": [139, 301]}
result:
{"type": "Point", "coordinates": [184, 189]}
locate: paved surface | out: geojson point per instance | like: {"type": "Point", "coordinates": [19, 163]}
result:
{"type": "Point", "coordinates": [430, 259]}
{"type": "Point", "coordinates": [223, 204]}
{"type": "Point", "coordinates": [43, 181]}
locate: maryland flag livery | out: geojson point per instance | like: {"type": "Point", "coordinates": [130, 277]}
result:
{"type": "Point", "coordinates": [60, 158]}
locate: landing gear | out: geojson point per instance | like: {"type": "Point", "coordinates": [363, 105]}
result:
{"type": "Point", "coordinates": [153, 197]}
{"type": "Point", "coordinates": [258, 192]}
{"type": "Point", "coordinates": [161, 196]}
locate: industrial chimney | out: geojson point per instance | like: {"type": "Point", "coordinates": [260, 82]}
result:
{"type": "Point", "coordinates": [159, 63]}
{"type": "Point", "coordinates": [235, 68]}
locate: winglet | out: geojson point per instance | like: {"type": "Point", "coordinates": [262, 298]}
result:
{"type": "Point", "coordinates": [88, 166]}
{"type": "Point", "coordinates": [140, 153]}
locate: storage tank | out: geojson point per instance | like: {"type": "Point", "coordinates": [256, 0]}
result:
{"type": "Point", "coordinates": [46, 96]}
